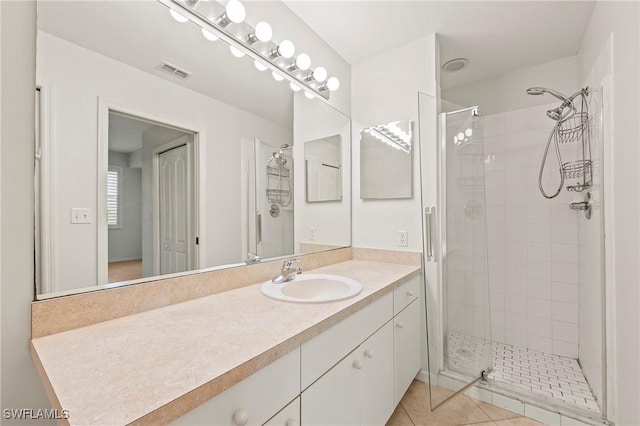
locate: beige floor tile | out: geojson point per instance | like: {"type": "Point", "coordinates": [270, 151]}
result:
{"type": "Point", "coordinates": [400, 417]}
{"type": "Point", "coordinates": [518, 421]}
{"type": "Point", "coordinates": [460, 410]}
{"type": "Point", "coordinates": [495, 413]}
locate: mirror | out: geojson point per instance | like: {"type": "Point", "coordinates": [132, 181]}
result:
{"type": "Point", "coordinates": [163, 153]}
{"type": "Point", "coordinates": [385, 161]}
{"type": "Point", "coordinates": [323, 164]}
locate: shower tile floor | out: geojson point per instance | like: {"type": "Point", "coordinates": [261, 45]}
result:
{"type": "Point", "coordinates": [533, 371]}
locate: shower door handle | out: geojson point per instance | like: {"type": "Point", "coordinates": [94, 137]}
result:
{"type": "Point", "coordinates": [258, 227]}
{"type": "Point", "coordinates": [428, 219]}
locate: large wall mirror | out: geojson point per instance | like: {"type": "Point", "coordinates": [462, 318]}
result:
{"type": "Point", "coordinates": [160, 152]}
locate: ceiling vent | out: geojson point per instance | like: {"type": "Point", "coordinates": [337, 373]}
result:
{"type": "Point", "coordinates": [455, 65]}
{"type": "Point", "coordinates": [174, 71]}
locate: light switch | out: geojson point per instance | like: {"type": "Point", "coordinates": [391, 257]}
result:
{"type": "Point", "coordinates": [80, 215]}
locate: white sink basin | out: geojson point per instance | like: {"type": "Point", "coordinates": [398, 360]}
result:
{"type": "Point", "coordinates": [313, 288]}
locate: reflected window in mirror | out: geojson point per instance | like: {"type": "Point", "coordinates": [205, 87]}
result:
{"type": "Point", "coordinates": [386, 161]}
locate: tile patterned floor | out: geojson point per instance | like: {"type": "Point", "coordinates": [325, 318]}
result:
{"type": "Point", "coordinates": [533, 371]}
{"type": "Point", "coordinates": [414, 410]}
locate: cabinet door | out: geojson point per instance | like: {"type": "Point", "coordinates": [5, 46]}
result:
{"type": "Point", "coordinates": [334, 399]}
{"type": "Point", "coordinates": [252, 401]}
{"type": "Point", "coordinates": [406, 346]}
{"type": "Point", "coordinates": [376, 404]}
{"type": "Point", "coordinates": [289, 416]}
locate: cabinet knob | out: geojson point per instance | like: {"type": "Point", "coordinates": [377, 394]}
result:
{"type": "Point", "coordinates": [291, 422]}
{"type": "Point", "coordinates": [240, 418]}
{"type": "Point", "coordinates": [410, 293]}
{"type": "Point", "coordinates": [368, 353]}
{"type": "Point", "coordinates": [400, 325]}
{"type": "Point", "coordinates": [357, 364]}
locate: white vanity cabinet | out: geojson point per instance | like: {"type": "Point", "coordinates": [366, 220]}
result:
{"type": "Point", "coordinates": [288, 416]}
{"type": "Point", "coordinates": [354, 373]}
{"type": "Point", "coordinates": [254, 400]}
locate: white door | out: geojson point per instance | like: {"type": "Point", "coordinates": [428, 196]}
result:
{"type": "Point", "coordinates": [174, 210]}
{"type": "Point", "coordinates": [329, 188]}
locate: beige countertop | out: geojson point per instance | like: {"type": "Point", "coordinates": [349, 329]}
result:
{"type": "Point", "coordinates": [152, 367]}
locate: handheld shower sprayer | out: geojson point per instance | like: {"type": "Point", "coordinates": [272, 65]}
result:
{"type": "Point", "coordinates": [561, 115]}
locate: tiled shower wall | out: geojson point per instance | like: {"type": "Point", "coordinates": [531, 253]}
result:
{"type": "Point", "coordinates": [532, 241]}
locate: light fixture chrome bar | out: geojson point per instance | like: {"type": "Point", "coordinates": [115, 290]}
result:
{"type": "Point", "coordinates": [225, 35]}
{"type": "Point", "coordinates": [391, 141]}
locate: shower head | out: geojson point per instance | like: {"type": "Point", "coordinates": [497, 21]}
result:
{"type": "Point", "coordinates": [542, 90]}
{"type": "Point", "coordinates": [560, 113]}
{"type": "Point", "coordinates": [563, 110]}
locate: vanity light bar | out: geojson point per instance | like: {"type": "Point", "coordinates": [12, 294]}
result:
{"type": "Point", "coordinates": [312, 81]}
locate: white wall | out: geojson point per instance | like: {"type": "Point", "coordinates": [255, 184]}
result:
{"type": "Point", "coordinates": [621, 188]}
{"type": "Point", "coordinates": [21, 386]}
{"type": "Point", "coordinates": [506, 92]}
{"type": "Point", "coordinates": [78, 78]}
{"type": "Point", "coordinates": [384, 89]}
{"type": "Point", "coordinates": [125, 243]}
{"type": "Point", "coordinates": [332, 221]}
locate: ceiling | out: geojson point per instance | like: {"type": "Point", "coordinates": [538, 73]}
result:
{"type": "Point", "coordinates": [496, 37]}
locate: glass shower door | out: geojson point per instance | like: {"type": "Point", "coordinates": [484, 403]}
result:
{"type": "Point", "coordinates": [459, 324]}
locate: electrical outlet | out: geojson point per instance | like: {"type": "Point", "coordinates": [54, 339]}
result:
{"type": "Point", "coordinates": [312, 233]}
{"type": "Point", "coordinates": [403, 237]}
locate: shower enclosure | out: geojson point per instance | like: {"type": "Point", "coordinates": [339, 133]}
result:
{"type": "Point", "coordinates": [517, 309]}
{"type": "Point", "coordinates": [267, 185]}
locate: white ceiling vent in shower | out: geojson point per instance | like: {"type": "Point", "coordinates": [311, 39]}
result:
{"type": "Point", "coordinates": [174, 71]}
{"type": "Point", "coordinates": [455, 65]}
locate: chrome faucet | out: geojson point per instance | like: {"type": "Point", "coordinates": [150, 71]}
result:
{"type": "Point", "coordinates": [288, 271]}
{"type": "Point", "coordinates": [252, 258]}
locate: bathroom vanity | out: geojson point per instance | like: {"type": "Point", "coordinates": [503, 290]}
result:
{"type": "Point", "coordinates": [239, 357]}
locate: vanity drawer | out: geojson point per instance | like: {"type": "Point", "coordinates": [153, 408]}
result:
{"type": "Point", "coordinates": [327, 349]}
{"type": "Point", "coordinates": [405, 294]}
{"type": "Point", "coordinates": [254, 400]}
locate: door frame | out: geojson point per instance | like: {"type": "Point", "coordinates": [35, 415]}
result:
{"type": "Point", "coordinates": [155, 196]}
{"type": "Point", "coordinates": [199, 180]}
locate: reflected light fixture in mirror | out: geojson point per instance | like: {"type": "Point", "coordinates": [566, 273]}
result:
{"type": "Point", "coordinates": [392, 135]}
{"type": "Point", "coordinates": [256, 42]}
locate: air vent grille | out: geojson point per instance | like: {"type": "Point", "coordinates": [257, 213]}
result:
{"type": "Point", "coordinates": [174, 71]}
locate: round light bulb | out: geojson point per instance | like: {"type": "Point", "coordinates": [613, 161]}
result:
{"type": "Point", "coordinates": [178, 16]}
{"type": "Point", "coordinates": [286, 49]}
{"type": "Point", "coordinates": [209, 35]}
{"type": "Point", "coordinates": [333, 84]}
{"type": "Point", "coordinates": [295, 87]}
{"type": "Point", "coordinates": [263, 32]}
{"type": "Point", "coordinates": [303, 62]}
{"type": "Point", "coordinates": [235, 52]}
{"type": "Point", "coordinates": [468, 132]}
{"type": "Point", "coordinates": [320, 74]}
{"type": "Point", "coordinates": [460, 136]}
{"type": "Point", "coordinates": [235, 11]}
{"type": "Point", "coordinates": [260, 66]}
{"type": "Point", "coordinates": [309, 95]}
{"type": "Point", "coordinates": [276, 76]}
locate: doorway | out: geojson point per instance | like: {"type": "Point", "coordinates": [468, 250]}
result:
{"type": "Point", "coordinates": [150, 200]}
